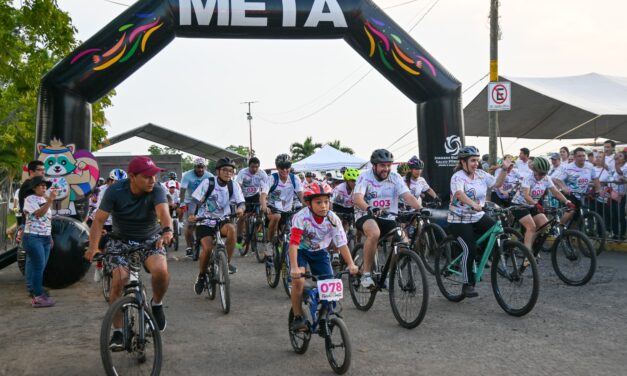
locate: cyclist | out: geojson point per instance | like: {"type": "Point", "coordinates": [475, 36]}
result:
{"type": "Point", "coordinates": [191, 180]}
{"type": "Point", "coordinates": [313, 230]}
{"type": "Point", "coordinates": [251, 180]}
{"type": "Point", "coordinates": [215, 196]}
{"type": "Point", "coordinates": [278, 196]}
{"type": "Point", "coordinates": [416, 183]}
{"type": "Point", "coordinates": [139, 209]}
{"type": "Point", "coordinates": [375, 198]}
{"type": "Point", "coordinates": [174, 197]}
{"type": "Point", "coordinates": [533, 188]}
{"type": "Point", "coordinates": [574, 181]}
{"type": "Point", "coordinates": [309, 177]}
{"type": "Point", "coordinates": [466, 218]}
{"type": "Point", "coordinates": [342, 199]}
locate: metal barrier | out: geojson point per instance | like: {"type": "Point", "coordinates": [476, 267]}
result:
{"type": "Point", "coordinates": [6, 197]}
{"type": "Point", "coordinates": [610, 205]}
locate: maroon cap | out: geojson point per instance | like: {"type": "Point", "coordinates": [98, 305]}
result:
{"type": "Point", "coordinates": [144, 166]}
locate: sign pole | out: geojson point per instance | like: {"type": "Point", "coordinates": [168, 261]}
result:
{"type": "Point", "coordinates": [493, 116]}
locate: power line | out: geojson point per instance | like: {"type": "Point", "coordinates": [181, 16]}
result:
{"type": "Point", "coordinates": [115, 2]}
{"type": "Point", "coordinates": [396, 148]}
{"type": "Point", "coordinates": [424, 15]}
{"type": "Point", "coordinates": [400, 5]}
{"type": "Point", "coordinates": [400, 138]}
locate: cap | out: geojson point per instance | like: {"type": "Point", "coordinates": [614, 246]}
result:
{"type": "Point", "coordinates": [171, 184]}
{"type": "Point", "coordinates": [35, 181]}
{"type": "Point", "coordinates": [144, 166]}
{"type": "Point", "coordinates": [555, 155]}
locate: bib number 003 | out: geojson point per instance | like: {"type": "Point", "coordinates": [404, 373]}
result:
{"type": "Point", "coordinates": [331, 289]}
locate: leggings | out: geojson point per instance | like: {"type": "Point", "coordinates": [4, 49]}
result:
{"type": "Point", "coordinates": [618, 217]}
{"type": "Point", "coordinates": [467, 234]}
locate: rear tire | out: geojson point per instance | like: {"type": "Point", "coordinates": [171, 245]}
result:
{"type": "Point", "coordinates": [574, 258]}
{"type": "Point", "coordinates": [223, 282]}
{"type": "Point", "coordinates": [340, 361]}
{"type": "Point", "coordinates": [409, 289]}
{"type": "Point", "coordinates": [449, 274]}
{"type": "Point", "coordinates": [430, 236]}
{"type": "Point", "coordinates": [285, 272]}
{"type": "Point", "coordinates": [362, 298]}
{"type": "Point", "coordinates": [273, 267]}
{"type": "Point", "coordinates": [591, 224]}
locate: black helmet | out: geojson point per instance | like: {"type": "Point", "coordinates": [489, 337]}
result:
{"type": "Point", "coordinates": [416, 163]}
{"type": "Point", "coordinates": [381, 156]}
{"type": "Point", "coordinates": [172, 175]}
{"type": "Point", "coordinates": [467, 152]}
{"type": "Point", "coordinates": [283, 160]}
{"type": "Point", "coordinates": [223, 162]}
{"type": "Point", "coordinates": [309, 174]}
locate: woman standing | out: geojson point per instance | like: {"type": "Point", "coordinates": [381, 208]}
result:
{"type": "Point", "coordinates": [37, 239]}
{"type": "Point", "coordinates": [618, 196]}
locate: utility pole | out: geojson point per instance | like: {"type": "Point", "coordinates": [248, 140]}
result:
{"type": "Point", "coordinates": [493, 116]}
{"type": "Point", "coordinates": [249, 116]}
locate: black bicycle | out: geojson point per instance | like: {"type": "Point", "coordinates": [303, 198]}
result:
{"type": "Point", "coordinates": [142, 348]}
{"type": "Point", "coordinates": [399, 270]}
{"type": "Point", "coordinates": [424, 235]}
{"type": "Point", "coordinates": [277, 266]}
{"type": "Point", "coordinates": [255, 233]}
{"type": "Point", "coordinates": [592, 225]}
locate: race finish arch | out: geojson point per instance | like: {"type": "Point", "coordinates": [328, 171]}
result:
{"type": "Point", "coordinates": [138, 34]}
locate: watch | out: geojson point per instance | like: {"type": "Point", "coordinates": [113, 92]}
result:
{"type": "Point", "coordinates": [166, 229]}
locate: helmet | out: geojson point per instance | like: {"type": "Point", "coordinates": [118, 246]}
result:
{"type": "Point", "coordinates": [224, 162]}
{"type": "Point", "coordinates": [117, 174]}
{"type": "Point", "coordinates": [316, 189]}
{"type": "Point", "coordinates": [172, 175]}
{"type": "Point", "coordinates": [171, 184]}
{"type": "Point", "coordinates": [485, 157]}
{"type": "Point", "coordinates": [101, 181]}
{"type": "Point", "coordinates": [541, 165]}
{"type": "Point", "coordinates": [416, 163]}
{"type": "Point", "coordinates": [199, 162]}
{"type": "Point", "coordinates": [309, 174]}
{"type": "Point", "coordinates": [381, 156]}
{"type": "Point", "coordinates": [402, 168]}
{"type": "Point", "coordinates": [468, 151]}
{"type": "Point", "coordinates": [283, 160]}
{"type": "Point", "coordinates": [351, 174]}
{"type": "Point", "coordinates": [343, 170]}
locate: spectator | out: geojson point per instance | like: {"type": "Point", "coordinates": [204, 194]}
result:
{"type": "Point", "coordinates": [485, 166]}
{"type": "Point", "coordinates": [600, 205]}
{"type": "Point", "coordinates": [618, 197]}
{"type": "Point", "coordinates": [571, 157]}
{"type": "Point", "coordinates": [37, 238]}
{"type": "Point", "coordinates": [522, 164]}
{"type": "Point", "coordinates": [556, 164]}
{"type": "Point", "coordinates": [564, 154]}
{"type": "Point", "coordinates": [609, 147]}
{"type": "Point", "coordinates": [590, 155]}
{"type": "Point", "coordinates": [309, 177]}
{"type": "Point", "coordinates": [35, 168]}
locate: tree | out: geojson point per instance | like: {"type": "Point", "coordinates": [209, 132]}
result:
{"type": "Point", "coordinates": [301, 151]}
{"type": "Point", "coordinates": [239, 149]}
{"type": "Point", "coordinates": [344, 149]}
{"type": "Point", "coordinates": [187, 160]}
{"type": "Point", "coordinates": [34, 37]}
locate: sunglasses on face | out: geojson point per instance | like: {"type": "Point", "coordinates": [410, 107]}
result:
{"type": "Point", "coordinates": [284, 167]}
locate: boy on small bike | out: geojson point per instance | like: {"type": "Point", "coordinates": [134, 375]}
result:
{"type": "Point", "coordinates": [313, 230]}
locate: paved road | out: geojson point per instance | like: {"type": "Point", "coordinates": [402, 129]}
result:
{"type": "Point", "coordinates": [572, 330]}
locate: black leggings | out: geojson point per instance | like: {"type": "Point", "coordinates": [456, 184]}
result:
{"type": "Point", "coordinates": [467, 234]}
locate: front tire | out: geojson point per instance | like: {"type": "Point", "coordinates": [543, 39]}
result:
{"type": "Point", "coordinates": [574, 258]}
{"type": "Point", "coordinates": [223, 282]}
{"type": "Point", "coordinates": [338, 348]}
{"type": "Point", "coordinates": [409, 289]}
{"type": "Point", "coordinates": [298, 340]}
{"type": "Point", "coordinates": [273, 267]}
{"type": "Point", "coordinates": [448, 269]}
{"type": "Point", "coordinates": [362, 298]}
{"type": "Point", "coordinates": [592, 225]}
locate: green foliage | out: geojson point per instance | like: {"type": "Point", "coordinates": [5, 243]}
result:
{"type": "Point", "coordinates": [239, 149]}
{"type": "Point", "coordinates": [344, 149]}
{"type": "Point", "coordinates": [301, 151]}
{"type": "Point", "coordinates": [187, 161]}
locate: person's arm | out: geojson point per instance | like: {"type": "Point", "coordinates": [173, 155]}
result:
{"type": "Point", "coordinates": [359, 201]}
{"type": "Point", "coordinates": [432, 193]}
{"type": "Point", "coordinates": [163, 213]}
{"type": "Point", "coordinates": [558, 195]}
{"type": "Point", "coordinates": [95, 233]}
{"type": "Point", "coordinates": [44, 209]}
{"type": "Point", "coordinates": [464, 199]}
{"type": "Point", "coordinates": [527, 197]}
{"type": "Point", "coordinates": [411, 200]}
{"type": "Point", "coordinates": [597, 185]}
{"type": "Point", "coordinates": [501, 178]}
{"type": "Point", "coordinates": [348, 259]}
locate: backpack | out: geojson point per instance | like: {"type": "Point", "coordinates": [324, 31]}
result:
{"type": "Point", "coordinates": [212, 185]}
{"type": "Point", "coordinates": [275, 176]}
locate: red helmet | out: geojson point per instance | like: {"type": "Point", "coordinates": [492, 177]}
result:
{"type": "Point", "coordinates": [316, 189]}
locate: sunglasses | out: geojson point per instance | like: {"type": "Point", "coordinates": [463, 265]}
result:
{"type": "Point", "coordinates": [284, 167]}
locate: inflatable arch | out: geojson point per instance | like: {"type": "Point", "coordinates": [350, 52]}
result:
{"type": "Point", "coordinates": [139, 33]}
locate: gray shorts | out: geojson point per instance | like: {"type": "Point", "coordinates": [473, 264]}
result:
{"type": "Point", "coordinates": [117, 246]}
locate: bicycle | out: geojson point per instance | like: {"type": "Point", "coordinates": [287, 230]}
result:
{"type": "Point", "coordinates": [319, 311]}
{"type": "Point", "coordinates": [277, 266]}
{"type": "Point", "coordinates": [592, 225]}
{"type": "Point", "coordinates": [424, 236]}
{"type": "Point", "coordinates": [255, 233]}
{"type": "Point", "coordinates": [348, 221]}
{"type": "Point", "coordinates": [139, 329]}
{"type": "Point", "coordinates": [512, 265]}
{"type": "Point", "coordinates": [407, 279]}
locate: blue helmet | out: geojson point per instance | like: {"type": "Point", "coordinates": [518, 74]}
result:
{"type": "Point", "coordinates": [117, 174]}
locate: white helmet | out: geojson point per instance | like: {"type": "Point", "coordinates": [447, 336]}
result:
{"type": "Point", "coordinates": [199, 162]}
{"type": "Point", "coordinates": [171, 184]}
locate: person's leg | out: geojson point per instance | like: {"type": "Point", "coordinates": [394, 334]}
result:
{"type": "Point", "coordinates": [157, 265]}
{"type": "Point", "coordinates": [623, 220]}
{"type": "Point", "coordinates": [371, 230]}
{"type": "Point", "coordinates": [530, 229]}
{"type": "Point", "coordinates": [206, 243]}
{"type": "Point", "coordinates": [466, 237]}
{"type": "Point", "coordinates": [228, 233]}
{"type": "Point", "coordinates": [119, 278]}
{"type": "Point", "coordinates": [273, 224]}
{"type": "Point", "coordinates": [28, 264]}
{"type": "Point", "coordinates": [37, 254]}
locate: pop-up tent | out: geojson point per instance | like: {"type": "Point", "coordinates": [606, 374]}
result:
{"type": "Point", "coordinates": [328, 158]}
{"type": "Point", "coordinates": [586, 106]}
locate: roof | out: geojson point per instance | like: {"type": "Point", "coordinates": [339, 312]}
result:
{"type": "Point", "coordinates": [328, 158]}
{"type": "Point", "coordinates": [586, 106]}
{"type": "Point", "coordinates": [177, 141]}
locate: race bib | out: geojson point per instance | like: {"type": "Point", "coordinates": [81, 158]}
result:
{"type": "Point", "coordinates": [381, 203]}
{"type": "Point", "coordinates": [250, 190]}
{"type": "Point", "coordinates": [330, 289]}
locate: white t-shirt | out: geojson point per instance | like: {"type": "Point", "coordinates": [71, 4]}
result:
{"type": "Point", "coordinates": [522, 167]}
{"type": "Point", "coordinates": [37, 225]}
{"type": "Point", "coordinates": [536, 189]}
{"type": "Point", "coordinates": [101, 192]}
{"type": "Point", "coordinates": [620, 188]}
{"type": "Point", "coordinates": [578, 179]}
{"type": "Point", "coordinates": [475, 188]}
{"type": "Point", "coordinates": [556, 171]}
{"type": "Point", "coordinates": [218, 204]}
{"type": "Point", "coordinates": [380, 194]}
{"type": "Point", "coordinates": [610, 162]}
{"type": "Point", "coordinates": [418, 186]}
{"type": "Point", "coordinates": [252, 184]}
{"type": "Point", "coordinates": [283, 196]}
{"type": "Point", "coordinates": [342, 197]}
{"type": "Point", "coordinates": [512, 179]}
{"type": "Point", "coordinates": [317, 237]}
{"type": "Point", "coordinates": [604, 177]}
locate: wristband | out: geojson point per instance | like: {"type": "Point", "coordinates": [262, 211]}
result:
{"type": "Point", "coordinates": [166, 229]}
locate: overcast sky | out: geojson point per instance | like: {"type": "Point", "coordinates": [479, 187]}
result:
{"type": "Point", "coordinates": [195, 86]}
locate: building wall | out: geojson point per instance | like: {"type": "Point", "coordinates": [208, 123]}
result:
{"type": "Point", "coordinates": [168, 162]}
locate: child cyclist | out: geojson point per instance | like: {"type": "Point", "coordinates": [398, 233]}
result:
{"type": "Point", "coordinates": [313, 230]}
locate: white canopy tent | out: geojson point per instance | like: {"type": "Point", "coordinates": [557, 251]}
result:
{"type": "Point", "coordinates": [586, 106]}
{"type": "Point", "coordinates": [328, 158]}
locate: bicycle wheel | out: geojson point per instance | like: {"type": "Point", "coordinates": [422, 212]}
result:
{"type": "Point", "coordinates": [448, 269]}
{"type": "Point", "coordinates": [363, 298]}
{"type": "Point", "coordinates": [211, 279]}
{"type": "Point", "coordinates": [338, 346]}
{"type": "Point", "coordinates": [299, 340]}
{"type": "Point", "coordinates": [106, 283]}
{"type": "Point", "coordinates": [514, 234]}
{"type": "Point", "coordinates": [409, 289]}
{"type": "Point", "coordinates": [573, 257]}
{"type": "Point", "coordinates": [175, 236]}
{"type": "Point", "coordinates": [429, 237]}
{"type": "Point", "coordinates": [273, 267]}
{"type": "Point", "coordinates": [248, 238]}
{"type": "Point", "coordinates": [515, 278]}
{"type": "Point", "coordinates": [285, 272]}
{"type": "Point", "coordinates": [260, 236]}
{"type": "Point", "coordinates": [139, 356]}
{"type": "Point", "coordinates": [222, 279]}
{"type": "Point", "coordinates": [592, 225]}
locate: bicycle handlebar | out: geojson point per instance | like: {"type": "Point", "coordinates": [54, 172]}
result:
{"type": "Point", "coordinates": [314, 278]}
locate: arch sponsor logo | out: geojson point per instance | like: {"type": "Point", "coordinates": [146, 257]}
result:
{"type": "Point", "coordinates": [452, 145]}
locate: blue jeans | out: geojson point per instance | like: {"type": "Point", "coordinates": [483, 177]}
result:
{"type": "Point", "coordinates": [37, 248]}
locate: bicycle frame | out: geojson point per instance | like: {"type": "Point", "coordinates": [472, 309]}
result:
{"type": "Point", "coordinates": [391, 259]}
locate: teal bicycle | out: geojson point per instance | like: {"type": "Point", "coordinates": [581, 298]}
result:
{"type": "Point", "coordinates": [514, 272]}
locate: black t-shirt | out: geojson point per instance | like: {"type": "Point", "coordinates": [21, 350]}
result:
{"type": "Point", "coordinates": [25, 191]}
{"type": "Point", "coordinates": [134, 217]}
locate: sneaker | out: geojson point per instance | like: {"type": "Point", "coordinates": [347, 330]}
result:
{"type": "Point", "coordinates": [232, 269]}
{"type": "Point", "coordinates": [298, 325]}
{"type": "Point", "coordinates": [117, 341]}
{"type": "Point", "coordinates": [469, 291]}
{"type": "Point", "coordinates": [335, 260]}
{"type": "Point", "coordinates": [200, 283]}
{"type": "Point", "coordinates": [42, 301]}
{"type": "Point", "coordinates": [366, 281]}
{"type": "Point", "coordinates": [157, 312]}
{"type": "Point", "coordinates": [239, 245]}
{"type": "Point", "coordinates": [188, 252]}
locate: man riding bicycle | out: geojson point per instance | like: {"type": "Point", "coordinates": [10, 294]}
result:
{"type": "Point", "coordinates": [251, 180]}
{"type": "Point", "coordinates": [376, 197]}
{"type": "Point", "coordinates": [215, 196]}
{"type": "Point", "coordinates": [191, 180]}
{"type": "Point", "coordinates": [139, 209]}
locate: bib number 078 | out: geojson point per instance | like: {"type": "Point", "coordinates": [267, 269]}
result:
{"type": "Point", "coordinates": [331, 289]}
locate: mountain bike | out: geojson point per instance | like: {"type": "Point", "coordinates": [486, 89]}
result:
{"type": "Point", "coordinates": [320, 312]}
{"type": "Point", "coordinates": [514, 272]}
{"type": "Point", "coordinates": [348, 221]}
{"type": "Point", "coordinates": [592, 225]}
{"type": "Point", "coordinates": [255, 233]}
{"type": "Point", "coordinates": [277, 266]}
{"type": "Point", "coordinates": [424, 236]}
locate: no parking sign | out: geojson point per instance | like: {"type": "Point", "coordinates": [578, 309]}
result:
{"type": "Point", "coordinates": [499, 96]}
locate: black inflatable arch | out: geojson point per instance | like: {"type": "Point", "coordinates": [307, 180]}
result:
{"type": "Point", "coordinates": [135, 36]}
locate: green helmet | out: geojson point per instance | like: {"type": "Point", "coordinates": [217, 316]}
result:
{"type": "Point", "coordinates": [351, 174]}
{"type": "Point", "coordinates": [541, 165]}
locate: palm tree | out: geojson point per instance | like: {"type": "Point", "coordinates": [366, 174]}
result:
{"type": "Point", "coordinates": [344, 149]}
{"type": "Point", "coordinates": [301, 151]}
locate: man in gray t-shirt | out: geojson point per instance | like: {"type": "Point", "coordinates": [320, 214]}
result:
{"type": "Point", "coordinates": [135, 205]}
